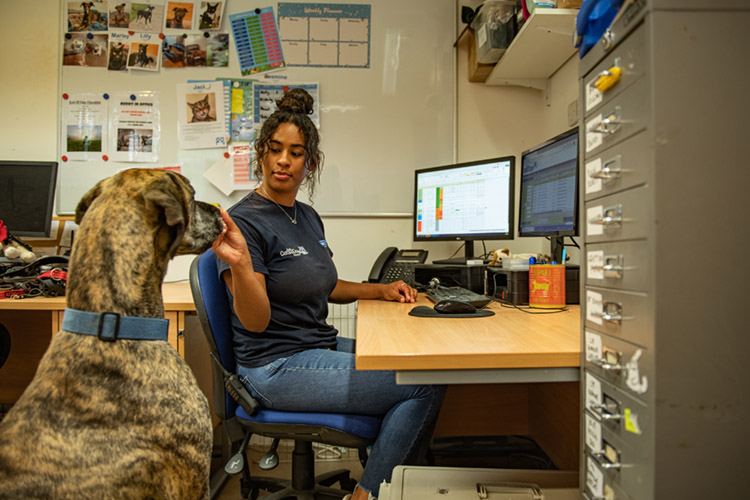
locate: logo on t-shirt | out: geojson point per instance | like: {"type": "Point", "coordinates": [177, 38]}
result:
{"type": "Point", "coordinates": [295, 252]}
{"type": "Point", "coordinates": [323, 243]}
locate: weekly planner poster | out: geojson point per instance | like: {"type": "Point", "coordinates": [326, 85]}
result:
{"type": "Point", "coordinates": [325, 35]}
{"type": "Point", "coordinates": [257, 41]}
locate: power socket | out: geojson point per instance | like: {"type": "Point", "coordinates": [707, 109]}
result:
{"type": "Point", "coordinates": [573, 113]}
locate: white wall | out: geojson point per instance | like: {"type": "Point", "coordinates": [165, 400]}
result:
{"type": "Point", "coordinates": [491, 121]}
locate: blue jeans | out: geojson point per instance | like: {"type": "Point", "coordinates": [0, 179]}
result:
{"type": "Point", "coordinates": [322, 380]}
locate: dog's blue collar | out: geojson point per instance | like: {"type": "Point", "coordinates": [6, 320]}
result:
{"type": "Point", "coordinates": [110, 326]}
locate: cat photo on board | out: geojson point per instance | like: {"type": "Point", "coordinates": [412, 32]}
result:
{"type": "Point", "coordinates": [201, 108]}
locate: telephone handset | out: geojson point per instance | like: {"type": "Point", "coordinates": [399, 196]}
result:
{"type": "Point", "coordinates": [394, 264]}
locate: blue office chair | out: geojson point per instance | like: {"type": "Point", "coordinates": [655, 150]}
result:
{"type": "Point", "coordinates": [241, 416]}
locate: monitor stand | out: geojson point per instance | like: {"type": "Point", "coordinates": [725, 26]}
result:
{"type": "Point", "coordinates": [557, 244]}
{"type": "Point", "coordinates": [461, 261]}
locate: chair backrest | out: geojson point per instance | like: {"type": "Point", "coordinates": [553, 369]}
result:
{"type": "Point", "coordinates": [212, 305]}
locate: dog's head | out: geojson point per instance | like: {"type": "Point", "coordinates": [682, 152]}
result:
{"type": "Point", "coordinates": [179, 13]}
{"type": "Point", "coordinates": [164, 200]}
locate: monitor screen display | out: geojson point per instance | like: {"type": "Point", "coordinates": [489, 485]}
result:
{"type": "Point", "coordinates": [467, 201]}
{"type": "Point", "coordinates": [549, 188]}
{"type": "Point", "coordinates": [27, 193]}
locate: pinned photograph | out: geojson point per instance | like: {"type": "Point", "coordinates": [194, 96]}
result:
{"type": "Point", "coordinates": [173, 51]}
{"type": "Point", "coordinates": [119, 16]}
{"type": "Point", "coordinates": [80, 50]}
{"type": "Point", "coordinates": [84, 139]}
{"type": "Point", "coordinates": [146, 17]}
{"type": "Point", "coordinates": [135, 140]}
{"type": "Point", "coordinates": [195, 50]}
{"type": "Point", "coordinates": [201, 107]}
{"type": "Point", "coordinates": [210, 15]}
{"type": "Point", "coordinates": [87, 16]}
{"type": "Point", "coordinates": [217, 50]}
{"type": "Point", "coordinates": [118, 57]}
{"type": "Point", "coordinates": [179, 15]}
{"type": "Point", "coordinates": [143, 53]}
{"type": "Point", "coordinates": [119, 44]}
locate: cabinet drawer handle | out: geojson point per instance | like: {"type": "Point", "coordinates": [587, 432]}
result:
{"type": "Point", "coordinates": [610, 367]}
{"type": "Point", "coordinates": [613, 267]}
{"type": "Point", "coordinates": [611, 311]}
{"type": "Point", "coordinates": [603, 411]}
{"type": "Point", "coordinates": [602, 461]}
{"type": "Point", "coordinates": [611, 216]}
{"type": "Point", "coordinates": [610, 170]}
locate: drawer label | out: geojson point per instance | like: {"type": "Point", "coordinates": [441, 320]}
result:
{"type": "Point", "coordinates": [593, 347]}
{"type": "Point", "coordinates": [593, 434]}
{"type": "Point", "coordinates": [593, 184]}
{"type": "Point", "coordinates": [594, 307]}
{"type": "Point", "coordinates": [593, 96]}
{"type": "Point", "coordinates": [593, 139]}
{"type": "Point", "coordinates": [594, 478]}
{"type": "Point", "coordinates": [593, 391]}
{"type": "Point", "coordinates": [595, 265]}
{"type": "Point", "coordinates": [594, 213]}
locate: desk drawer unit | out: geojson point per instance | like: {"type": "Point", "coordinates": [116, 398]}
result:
{"type": "Point", "coordinates": [662, 393]}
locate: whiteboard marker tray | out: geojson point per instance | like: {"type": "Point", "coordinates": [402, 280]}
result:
{"type": "Point", "coordinates": [457, 483]}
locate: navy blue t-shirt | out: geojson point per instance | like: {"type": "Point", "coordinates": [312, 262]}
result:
{"type": "Point", "coordinates": [300, 277]}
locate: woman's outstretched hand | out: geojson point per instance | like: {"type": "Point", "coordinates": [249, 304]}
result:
{"type": "Point", "coordinates": [230, 246]}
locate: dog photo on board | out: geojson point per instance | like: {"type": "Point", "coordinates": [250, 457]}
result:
{"type": "Point", "coordinates": [119, 15]}
{"type": "Point", "coordinates": [179, 15]}
{"type": "Point", "coordinates": [144, 56]}
{"type": "Point", "coordinates": [87, 16]}
{"type": "Point", "coordinates": [80, 50]}
{"type": "Point", "coordinates": [146, 17]}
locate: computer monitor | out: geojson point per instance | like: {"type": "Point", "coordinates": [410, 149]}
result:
{"type": "Point", "coordinates": [548, 204]}
{"type": "Point", "coordinates": [465, 202]}
{"type": "Point", "coordinates": [27, 193]}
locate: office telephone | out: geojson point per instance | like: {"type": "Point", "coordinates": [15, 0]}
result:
{"type": "Point", "coordinates": [394, 264]}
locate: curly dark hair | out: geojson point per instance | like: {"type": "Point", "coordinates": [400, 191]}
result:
{"type": "Point", "coordinates": [294, 107]}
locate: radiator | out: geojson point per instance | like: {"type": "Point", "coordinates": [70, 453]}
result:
{"type": "Point", "coordinates": [344, 318]}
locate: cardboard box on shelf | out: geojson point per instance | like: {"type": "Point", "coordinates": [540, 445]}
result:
{"type": "Point", "coordinates": [477, 72]}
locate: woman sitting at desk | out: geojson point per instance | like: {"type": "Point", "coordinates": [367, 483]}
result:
{"type": "Point", "coordinates": [280, 275]}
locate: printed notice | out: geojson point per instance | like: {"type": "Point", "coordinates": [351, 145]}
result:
{"type": "Point", "coordinates": [135, 126]}
{"type": "Point", "coordinates": [325, 35]}
{"type": "Point", "coordinates": [257, 41]}
{"type": "Point", "coordinates": [201, 117]}
{"type": "Point", "coordinates": [84, 130]}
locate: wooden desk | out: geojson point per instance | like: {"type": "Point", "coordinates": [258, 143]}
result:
{"type": "Point", "coordinates": [511, 373]}
{"type": "Point", "coordinates": [27, 319]}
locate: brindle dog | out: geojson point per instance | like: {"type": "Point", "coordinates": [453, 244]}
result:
{"type": "Point", "coordinates": [123, 419]}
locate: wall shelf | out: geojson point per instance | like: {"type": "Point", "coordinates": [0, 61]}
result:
{"type": "Point", "coordinates": [542, 46]}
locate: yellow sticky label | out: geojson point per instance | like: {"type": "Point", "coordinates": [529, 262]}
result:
{"type": "Point", "coordinates": [238, 104]}
{"type": "Point", "coordinates": [631, 422]}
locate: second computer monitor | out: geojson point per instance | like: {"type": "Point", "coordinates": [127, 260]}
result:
{"type": "Point", "coordinates": [549, 190]}
{"type": "Point", "coordinates": [466, 202]}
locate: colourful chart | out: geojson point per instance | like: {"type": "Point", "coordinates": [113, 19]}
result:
{"type": "Point", "coordinates": [257, 41]}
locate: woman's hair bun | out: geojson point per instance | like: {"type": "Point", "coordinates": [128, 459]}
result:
{"type": "Point", "coordinates": [296, 101]}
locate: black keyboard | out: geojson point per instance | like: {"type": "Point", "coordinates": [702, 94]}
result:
{"type": "Point", "coordinates": [399, 271]}
{"type": "Point", "coordinates": [457, 293]}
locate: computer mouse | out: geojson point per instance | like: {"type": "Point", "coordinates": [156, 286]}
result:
{"type": "Point", "coordinates": [449, 306]}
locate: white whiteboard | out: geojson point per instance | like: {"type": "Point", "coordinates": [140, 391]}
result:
{"type": "Point", "coordinates": [378, 124]}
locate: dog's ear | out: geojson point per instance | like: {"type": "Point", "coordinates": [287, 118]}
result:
{"type": "Point", "coordinates": [169, 194]}
{"type": "Point", "coordinates": [87, 199]}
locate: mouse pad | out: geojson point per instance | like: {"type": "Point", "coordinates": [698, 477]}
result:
{"type": "Point", "coordinates": [429, 312]}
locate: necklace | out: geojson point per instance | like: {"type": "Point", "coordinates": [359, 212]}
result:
{"type": "Point", "coordinates": [293, 219]}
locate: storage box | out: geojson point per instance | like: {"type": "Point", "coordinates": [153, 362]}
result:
{"type": "Point", "coordinates": [477, 72]}
{"type": "Point", "coordinates": [494, 29]}
{"type": "Point", "coordinates": [457, 483]}
{"type": "Point", "coordinates": [569, 4]}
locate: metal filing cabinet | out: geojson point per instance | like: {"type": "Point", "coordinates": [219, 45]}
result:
{"type": "Point", "coordinates": [665, 188]}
